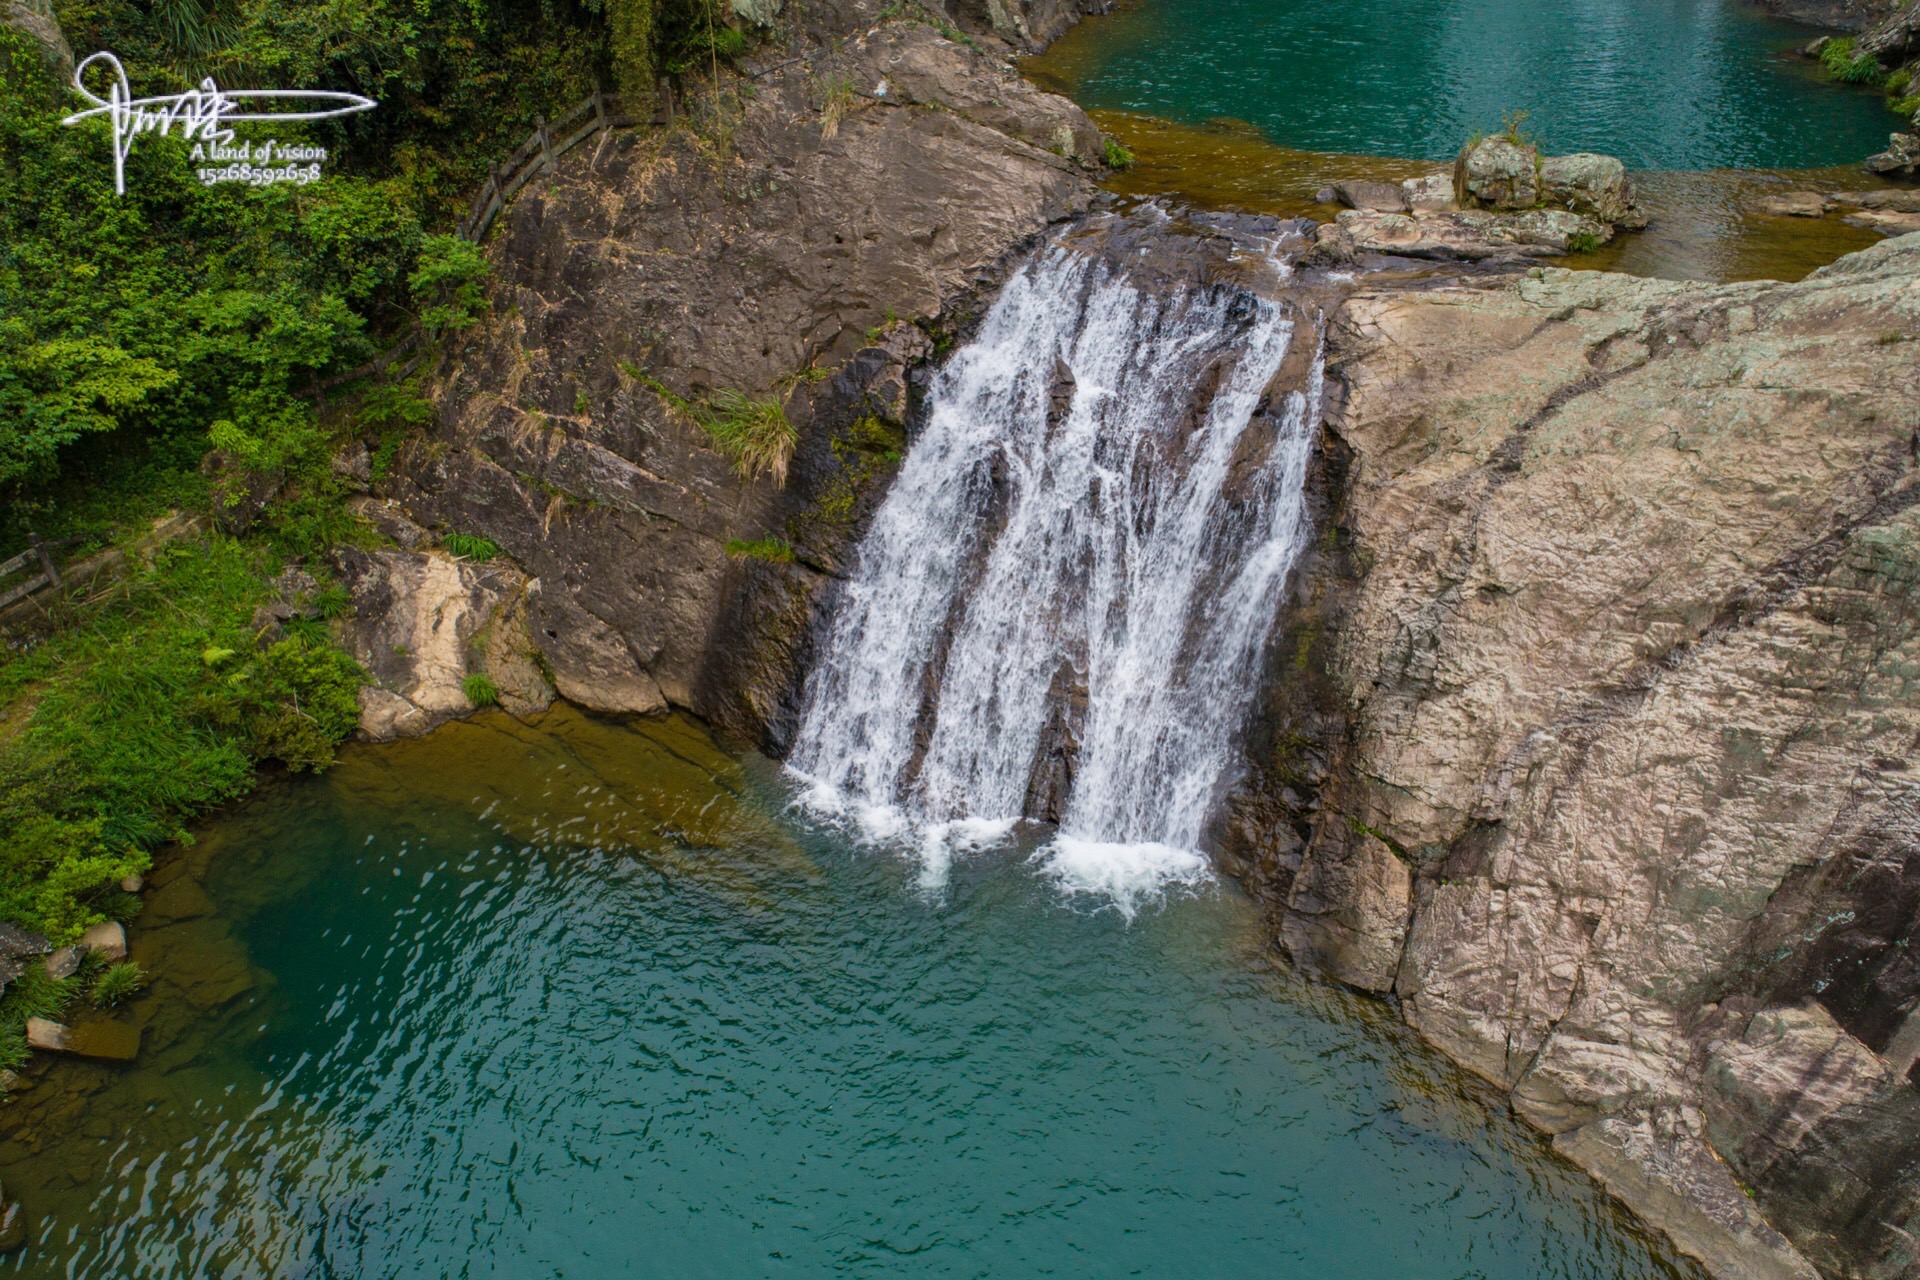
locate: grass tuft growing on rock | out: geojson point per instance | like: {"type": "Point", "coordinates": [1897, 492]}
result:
{"type": "Point", "coordinates": [755, 434]}
{"type": "Point", "coordinates": [771, 548]}
{"type": "Point", "coordinates": [1840, 61]}
{"type": "Point", "coordinates": [480, 690]}
{"type": "Point", "coordinates": [1582, 242]}
{"type": "Point", "coordinates": [117, 984]}
{"type": "Point", "coordinates": [837, 107]}
{"type": "Point", "coordinates": [1118, 157]}
{"type": "Point", "coordinates": [469, 546]}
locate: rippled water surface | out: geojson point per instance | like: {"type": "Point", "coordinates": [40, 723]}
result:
{"type": "Point", "coordinates": [579, 1000]}
{"type": "Point", "coordinates": [1663, 84]}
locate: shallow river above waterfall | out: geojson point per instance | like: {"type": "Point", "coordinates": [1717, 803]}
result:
{"type": "Point", "coordinates": [1705, 84]}
{"type": "Point", "coordinates": [580, 999]}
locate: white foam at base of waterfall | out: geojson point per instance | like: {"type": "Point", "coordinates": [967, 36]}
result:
{"type": "Point", "coordinates": [1085, 544]}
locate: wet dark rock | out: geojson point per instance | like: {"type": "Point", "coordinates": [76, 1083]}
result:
{"type": "Point", "coordinates": [18, 948]}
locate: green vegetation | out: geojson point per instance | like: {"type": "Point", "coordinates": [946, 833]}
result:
{"type": "Point", "coordinates": [1118, 157]}
{"type": "Point", "coordinates": [34, 994]}
{"type": "Point", "coordinates": [165, 350]}
{"type": "Point", "coordinates": [117, 984]}
{"type": "Point", "coordinates": [863, 449]}
{"type": "Point", "coordinates": [480, 690]}
{"type": "Point", "coordinates": [755, 434]}
{"type": "Point", "coordinates": [1842, 63]}
{"type": "Point", "coordinates": [1582, 242]}
{"type": "Point", "coordinates": [156, 709]}
{"type": "Point", "coordinates": [838, 105]}
{"type": "Point", "coordinates": [775, 549]}
{"type": "Point", "coordinates": [469, 546]}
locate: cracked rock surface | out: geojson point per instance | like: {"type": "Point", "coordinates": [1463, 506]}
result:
{"type": "Point", "coordinates": [1612, 647]}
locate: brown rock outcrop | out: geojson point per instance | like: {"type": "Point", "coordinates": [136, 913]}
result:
{"type": "Point", "coordinates": [1619, 638]}
{"type": "Point", "coordinates": [785, 247]}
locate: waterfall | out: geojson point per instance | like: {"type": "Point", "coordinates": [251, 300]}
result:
{"type": "Point", "coordinates": [1060, 610]}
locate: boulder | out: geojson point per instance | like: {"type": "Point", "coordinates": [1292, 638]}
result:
{"type": "Point", "coordinates": [1497, 173]}
{"type": "Point", "coordinates": [1593, 185]}
{"type": "Point", "coordinates": [1472, 235]}
{"type": "Point", "coordinates": [1901, 156]}
{"type": "Point", "coordinates": [63, 962]}
{"type": "Point", "coordinates": [423, 622]}
{"type": "Point", "coordinates": [1431, 194]}
{"type": "Point", "coordinates": [17, 950]}
{"type": "Point", "coordinates": [1386, 197]}
{"type": "Point", "coordinates": [109, 938]}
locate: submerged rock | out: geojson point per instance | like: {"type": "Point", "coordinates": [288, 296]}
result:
{"type": "Point", "coordinates": [1795, 204]}
{"type": "Point", "coordinates": [13, 1227]}
{"type": "Point", "coordinates": [112, 1041]}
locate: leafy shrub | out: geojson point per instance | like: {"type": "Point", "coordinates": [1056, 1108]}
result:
{"type": "Point", "coordinates": [1118, 157]}
{"type": "Point", "coordinates": [1841, 63]}
{"type": "Point", "coordinates": [776, 549]}
{"type": "Point", "coordinates": [480, 690]}
{"type": "Point", "coordinates": [116, 985]}
{"type": "Point", "coordinates": [1582, 242]}
{"type": "Point", "coordinates": [155, 711]}
{"type": "Point", "coordinates": [470, 546]}
{"type": "Point", "coordinates": [449, 280]}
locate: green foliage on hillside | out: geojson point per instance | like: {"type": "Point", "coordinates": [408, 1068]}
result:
{"type": "Point", "coordinates": [162, 349]}
{"type": "Point", "coordinates": [156, 709]}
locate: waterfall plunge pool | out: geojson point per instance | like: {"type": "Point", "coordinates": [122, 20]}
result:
{"type": "Point", "coordinates": [581, 998]}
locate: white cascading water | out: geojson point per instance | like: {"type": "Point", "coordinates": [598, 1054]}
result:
{"type": "Point", "coordinates": [1130, 543]}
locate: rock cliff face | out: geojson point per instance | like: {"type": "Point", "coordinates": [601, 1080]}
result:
{"type": "Point", "coordinates": [1594, 734]}
{"type": "Point", "coordinates": [806, 242]}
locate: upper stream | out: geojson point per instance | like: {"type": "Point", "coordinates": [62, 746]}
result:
{"type": "Point", "coordinates": [582, 999]}
{"type": "Point", "coordinates": [1662, 84]}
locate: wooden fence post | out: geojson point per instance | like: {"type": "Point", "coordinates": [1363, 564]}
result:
{"type": "Point", "coordinates": [46, 561]}
{"type": "Point", "coordinates": [546, 141]}
{"type": "Point", "coordinates": [666, 99]}
{"type": "Point", "coordinates": [599, 111]}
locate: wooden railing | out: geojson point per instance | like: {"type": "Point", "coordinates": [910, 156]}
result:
{"type": "Point", "coordinates": [37, 554]}
{"type": "Point", "coordinates": [547, 143]}
{"type": "Point", "coordinates": [549, 140]}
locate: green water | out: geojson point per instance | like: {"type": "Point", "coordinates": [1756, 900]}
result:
{"type": "Point", "coordinates": [1663, 84]}
{"type": "Point", "coordinates": [581, 1001]}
